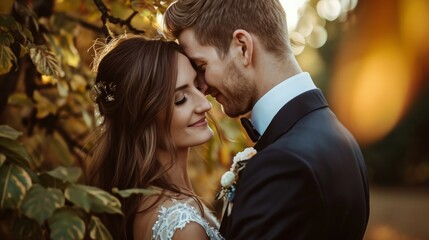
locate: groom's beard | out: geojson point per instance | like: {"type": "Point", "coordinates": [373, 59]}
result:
{"type": "Point", "coordinates": [239, 92]}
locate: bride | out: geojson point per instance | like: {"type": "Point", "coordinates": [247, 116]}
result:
{"type": "Point", "coordinates": [152, 112]}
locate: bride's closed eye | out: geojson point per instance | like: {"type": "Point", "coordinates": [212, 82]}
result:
{"type": "Point", "coordinates": [181, 99]}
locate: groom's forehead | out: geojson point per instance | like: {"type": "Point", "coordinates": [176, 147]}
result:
{"type": "Point", "coordinates": [195, 54]}
{"type": "Point", "coordinates": [188, 40]}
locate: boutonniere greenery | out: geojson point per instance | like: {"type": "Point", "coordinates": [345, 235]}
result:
{"type": "Point", "coordinates": [229, 179]}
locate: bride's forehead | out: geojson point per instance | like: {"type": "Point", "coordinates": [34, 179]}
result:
{"type": "Point", "coordinates": [185, 71]}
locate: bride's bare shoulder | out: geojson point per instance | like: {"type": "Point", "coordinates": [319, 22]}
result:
{"type": "Point", "coordinates": [147, 214]}
{"type": "Point", "coordinates": [149, 209]}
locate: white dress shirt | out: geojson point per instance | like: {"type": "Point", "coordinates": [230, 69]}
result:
{"type": "Point", "coordinates": [268, 105]}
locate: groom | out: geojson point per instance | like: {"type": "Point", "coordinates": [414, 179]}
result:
{"type": "Point", "coordinates": [308, 179]}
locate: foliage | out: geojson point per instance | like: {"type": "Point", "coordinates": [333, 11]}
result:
{"type": "Point", "coordinates": [45, 80]}
{"type": "Point", "coordinates": [44, 83]}
{"type": "Point", "coordinates": [51, 202]}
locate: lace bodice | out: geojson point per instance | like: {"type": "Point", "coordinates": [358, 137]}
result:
{"type": "Point", "coordinates": [176, 217]}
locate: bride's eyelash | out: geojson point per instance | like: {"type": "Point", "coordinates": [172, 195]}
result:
{"type": "Point", "coordinates": [180, 101]}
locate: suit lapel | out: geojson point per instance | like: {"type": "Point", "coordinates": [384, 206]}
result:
{"type": "Point", "coordinates": [289, 114]}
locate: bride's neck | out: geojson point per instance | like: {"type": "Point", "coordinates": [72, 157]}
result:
{"type": "Point", "coordinates": [178, 173]}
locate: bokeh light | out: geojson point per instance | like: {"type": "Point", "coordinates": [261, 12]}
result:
{"type": "Point", "coordinates": [370, 94]}
{"type": "Point", "coordinates": [292, 9]}
{"type": "Point", "coordinates": [306, 25]}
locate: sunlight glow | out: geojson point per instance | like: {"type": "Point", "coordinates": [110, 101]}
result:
{"type": "Point", "coordinates": [329, 9]}
{"type": "Point", "coordinates": [292, 11]}
{"type": "Point", "coordinates": [371, 94]}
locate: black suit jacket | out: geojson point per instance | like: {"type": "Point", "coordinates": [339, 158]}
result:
{"type": "Point", "coordinates": [307, 181]}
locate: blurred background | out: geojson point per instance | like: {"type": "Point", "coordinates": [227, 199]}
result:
{"type": "Point", "coordinates": [370, 58]}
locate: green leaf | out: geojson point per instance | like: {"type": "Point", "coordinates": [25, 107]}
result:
{"type": "Point", "coordinates": [63, 88]}
{"type": "Point", "coordinates": [92, 199]}
{"type": "Point", "coordinates": [6, 59]}
{"type": "Point", "coordinates": [14, 183]}
{"type": "Point", "coordinates": [139, 5]}
{"type": "Point", "coordinates": [23, 10]}
{"type": "Point", "coordinates": [44, 105]}
{"type": "Point", "coordinates": [25, 228]}
{"type": "Point", "coordinates": [8, 21]}
{"type": "Point", "coordinates": [60, 177]}
{"type": "Point", "coordinates": [80, 198]}
{"type": "Point", "coordinates": [87, 119]}
{"type": "Point", "coordinates": [65, 224]}
{"type": "Point", "coordinates": [128, 192]}
{"type": "Point", "coordinates": [2, 159]}
{"type": "Point", "coordinates": [25, 32]}
{"type": "Point", "coordinates": [26, 35]}
{"type": "Point", "coordinates": [40, 203]}
{"type": "Point", "coordinates": [47, 180]}
{"type": "Point", "coordinates": [97, 230]}
{"type": "Point", "coordinates": [6, 39]}
{"type": "Point", "coordinates": [60, 148]}
{"type": "Point", "coordinates": [8, 132]}
{"type": "Point", "coordinates": [20, 99]}
{"type": "Point", "coordinates": [69, 53]}
{"type": "Point", "coordinates": [46, 61]}
{"type": "Point", "coordinates": [69, 174]}
{"type": "Point", "coordinates": [14, 151]}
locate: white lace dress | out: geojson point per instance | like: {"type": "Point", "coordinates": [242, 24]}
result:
{"type": "Point", "coordinates": [176, 216]}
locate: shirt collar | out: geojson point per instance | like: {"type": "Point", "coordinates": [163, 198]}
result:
{"type": "Point", "coordinates": [268, 105]}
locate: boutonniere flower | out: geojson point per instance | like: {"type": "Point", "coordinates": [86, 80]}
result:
{"type": "Point", "coordinates": [229, 179]}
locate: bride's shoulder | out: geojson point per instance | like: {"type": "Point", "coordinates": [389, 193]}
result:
{"type": "Point", "coordinates": [162, 217]}
{"type": "Point", "coordinates": [183, 220]}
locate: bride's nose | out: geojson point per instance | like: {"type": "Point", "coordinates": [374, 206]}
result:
{"type": "Point", "coordinates": [202, 103]}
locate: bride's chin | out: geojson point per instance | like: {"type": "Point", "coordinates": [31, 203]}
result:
{"type": "Point", "coordinates": [207, 136]}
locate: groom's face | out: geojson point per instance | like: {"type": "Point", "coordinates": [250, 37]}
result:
{"type": "Point", "coordinates": [219, 77]}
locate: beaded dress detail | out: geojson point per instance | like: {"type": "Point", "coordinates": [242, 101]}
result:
{"type": "Point", "coordinates": [176, 217]}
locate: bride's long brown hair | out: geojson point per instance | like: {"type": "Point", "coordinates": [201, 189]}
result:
{"type": "Point", "coordinates": [134, 90]}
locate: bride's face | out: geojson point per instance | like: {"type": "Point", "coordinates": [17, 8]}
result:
{"type": "Point", "coordinates": [189, 124]}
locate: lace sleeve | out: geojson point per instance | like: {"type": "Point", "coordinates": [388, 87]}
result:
{"type": "Point", "coordinates": [176, 217]}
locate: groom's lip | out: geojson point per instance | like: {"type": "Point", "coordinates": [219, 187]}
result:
{"type": "Point", "coordinates": [215, 94]}
{"type": "Point", "coordinates": [220, 99]}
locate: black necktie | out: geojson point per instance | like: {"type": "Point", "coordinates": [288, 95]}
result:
{"type": "Point", "coordinates": [251, 131]}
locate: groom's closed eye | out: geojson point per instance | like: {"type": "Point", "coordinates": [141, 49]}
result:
{"type": "Point", "coordinates": [194, 65]}
{"type": "Point", "coordinates": [198, 64]}
{"type": "Point", "coordinates": [201, 84]}
{"type": "Point", "coordinates": [201, 67]}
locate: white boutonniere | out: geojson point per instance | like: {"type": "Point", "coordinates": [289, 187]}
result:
{"type": "Point", "coordinates": [229, 179]}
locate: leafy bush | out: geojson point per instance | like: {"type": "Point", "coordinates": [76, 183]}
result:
{"type": "Point", "coordinates": [45, 106]}
{"type": "Point", "coordinates": [48, 203]}
{"type": "Point", "coordinates": [44, 87]}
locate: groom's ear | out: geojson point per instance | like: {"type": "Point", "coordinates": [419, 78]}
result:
{"type": "Point", "coordinates": [242, 46]}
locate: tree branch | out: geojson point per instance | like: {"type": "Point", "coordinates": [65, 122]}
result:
{"type": "Point", "coordinates": [105, 16]}
{"type": "Point", "coordinates": [84, 24]}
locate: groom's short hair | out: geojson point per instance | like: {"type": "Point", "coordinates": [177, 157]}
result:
{"type": "Point", "coordinates": [214, 22]}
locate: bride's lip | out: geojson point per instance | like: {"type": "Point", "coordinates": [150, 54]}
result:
{"type": "Point", "coordinates": [199, 123]}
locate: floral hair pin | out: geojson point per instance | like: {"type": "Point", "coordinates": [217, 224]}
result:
{"type": "Point", "coordinates": [229, 179]}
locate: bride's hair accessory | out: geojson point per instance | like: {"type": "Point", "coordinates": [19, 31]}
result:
{"type": "Point", "coordinates": [102, 90]}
